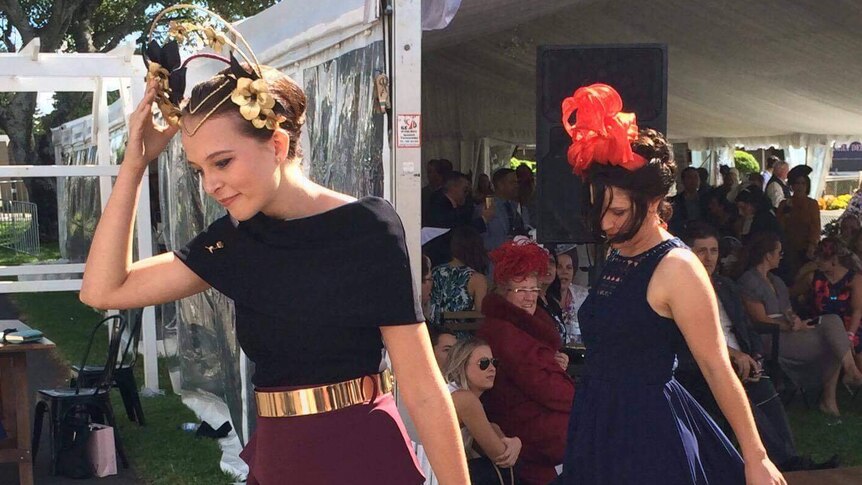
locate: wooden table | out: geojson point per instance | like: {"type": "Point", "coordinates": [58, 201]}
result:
{"type": "Point", "coordinates": [15, 401]}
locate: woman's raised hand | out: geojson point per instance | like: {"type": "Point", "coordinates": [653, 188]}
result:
{"type": "Point", "coordinates": [146, 140]}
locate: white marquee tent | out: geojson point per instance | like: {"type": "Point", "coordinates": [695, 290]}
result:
{"type": "Point", "coordinates": [783, 73]}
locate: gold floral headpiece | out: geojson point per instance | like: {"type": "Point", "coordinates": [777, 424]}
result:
{"type": "Point", "coordinates": [251, 94]}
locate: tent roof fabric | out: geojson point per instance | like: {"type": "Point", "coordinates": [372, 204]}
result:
{"type": "Point", "coordinates": [754, 73]}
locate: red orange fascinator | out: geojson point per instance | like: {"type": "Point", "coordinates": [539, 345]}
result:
{"type": "Point", "coordinates": [602, 132]}
{"type": "Point", "coordinates": [518, 259]}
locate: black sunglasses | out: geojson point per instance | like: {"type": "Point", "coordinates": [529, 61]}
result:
{"type": "Point", "coordinates": [485, 362]}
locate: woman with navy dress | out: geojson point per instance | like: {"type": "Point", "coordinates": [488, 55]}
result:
{"type": "Point", "coordinates": [631, 421]}
{"type": "Point", "coordinates": [325, 410]}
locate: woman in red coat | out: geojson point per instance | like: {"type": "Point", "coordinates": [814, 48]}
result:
{"type": "Point", "coordinates": [533, 394]}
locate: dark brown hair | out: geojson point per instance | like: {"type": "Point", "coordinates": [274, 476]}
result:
{"type": "Point", "coordinates": [290, 103]}
{"type": "Point", "coordinates": [643, 186]}
{"type": "Point", "coordinates": [832, 247]}
{"type": "Point", "coordinates": [467, 245]}
{"type": "Point", "coordinates": [760, 245]}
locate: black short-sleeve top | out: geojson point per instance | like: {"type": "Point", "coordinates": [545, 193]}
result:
{"type": "Point", "coordinates": [310, 293]}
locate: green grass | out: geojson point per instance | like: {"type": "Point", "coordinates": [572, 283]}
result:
{"type": "Point", "coordinates": [820, 436]}
{"type": "Point", "coordinates": [47, 251]}
{"type": "Point", "coordinates": [159, 452]}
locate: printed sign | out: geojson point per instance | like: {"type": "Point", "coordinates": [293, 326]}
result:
{"type": "Point", "coordinates": [409, 131]}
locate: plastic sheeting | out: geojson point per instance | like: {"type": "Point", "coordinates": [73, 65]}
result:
{"type": "Point", "coordinates": [341, 104]}
{"type": "Point", "coordinates": [199, 341]}
{"type": "Point", "coordinates": [78, 198]}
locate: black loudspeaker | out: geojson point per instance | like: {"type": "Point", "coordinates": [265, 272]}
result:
{"type": "Point", "coordinates": [637, 72]}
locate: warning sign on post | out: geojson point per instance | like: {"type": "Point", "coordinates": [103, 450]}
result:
{"type": "Point", "coordinates": [409, 131]}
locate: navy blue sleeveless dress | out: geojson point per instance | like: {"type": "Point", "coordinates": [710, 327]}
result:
{"type": "Point", "coordinates": [632, 422]}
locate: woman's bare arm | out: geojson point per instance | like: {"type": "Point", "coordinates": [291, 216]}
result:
{"type": "Point", "coordinates": [111, 280]}
{"type": "Point", "coordinates": [695, 312]}
{"type": "Point", "coordinates": [428, 400]}
{"type": "Point", "coordinates": [477, 288]}
{"type": "Point", "coordinates": [472, 414]}
{"type": "Point", "coordinates": [855, 303]}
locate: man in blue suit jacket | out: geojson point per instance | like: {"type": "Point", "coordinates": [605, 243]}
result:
{"type": "Point", "coordinates": [510, 217]}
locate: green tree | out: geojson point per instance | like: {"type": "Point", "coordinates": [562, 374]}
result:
{"type": "Point", "coordinates": [84, 26]}
{"type": "Point", "coordinates": [745, 163]}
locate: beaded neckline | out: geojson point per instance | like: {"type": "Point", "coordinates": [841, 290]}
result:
{"type": "Point", "coordinates": [617, 266]}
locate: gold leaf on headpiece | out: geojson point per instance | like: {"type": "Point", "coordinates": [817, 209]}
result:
{"type": "Point", "coordinates": [179, 30]}
{"type": "Point", "coordinates": [252, 97]}
{"type": "Point", "coordinates": [215, 39]}
{"type": "Point", "coordinates": [267, 118]}
{"type": "Point", "coordinates": [155, 70]}
{"type": "Point", "coordinates": [170, 112]}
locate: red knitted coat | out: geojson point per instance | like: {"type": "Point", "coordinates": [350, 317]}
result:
{"type": "Point", "coordinates": [532, 396]}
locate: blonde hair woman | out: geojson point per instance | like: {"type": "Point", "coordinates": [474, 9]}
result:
{"type": "Point", "coordinates": [471, 371]}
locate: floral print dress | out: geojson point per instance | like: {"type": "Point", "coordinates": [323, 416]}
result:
{"type": "Point", "coordinates": [449, 293]}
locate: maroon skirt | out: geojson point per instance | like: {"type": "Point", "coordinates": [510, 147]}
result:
{"type": "Point", "coordinates": [363, 444]}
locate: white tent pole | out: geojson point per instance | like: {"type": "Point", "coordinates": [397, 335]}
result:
{"type": "Point", "coordinates": [407, 100]}
{"type": "Point", "coordinates": [100, 137]}
{"type": "Point", "coordinates": [148, 322]}
{"type": "Point", "coordinates": [30, 70]}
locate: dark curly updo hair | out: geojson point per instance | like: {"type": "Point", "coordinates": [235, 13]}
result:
{"type": "Point", "coordinates": [643, 186]}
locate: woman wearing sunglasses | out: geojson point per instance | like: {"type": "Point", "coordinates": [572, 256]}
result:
{"type": "Point", "coordinates": [471, 370]}
{"type": "Point", "coordinates": [532, 394]}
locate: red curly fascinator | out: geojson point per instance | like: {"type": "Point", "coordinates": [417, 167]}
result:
{"type": "Point", "coordinates": [602, 132]}
{"type": "Point", "coordinates": [518, 259]}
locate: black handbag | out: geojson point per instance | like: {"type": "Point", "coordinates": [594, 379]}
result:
{"type": "Point", "coordinates": [483, 471]}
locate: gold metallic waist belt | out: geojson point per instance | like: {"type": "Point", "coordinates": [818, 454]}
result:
{"type": "Point", "coordinates": [321, 399]}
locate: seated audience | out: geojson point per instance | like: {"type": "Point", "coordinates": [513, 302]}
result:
{"type": "Point", "coordinates": [442, 342]}
{"type": "Point", "coordinates": [746, 353]}
{"type": "Point", "coordinates": [807, 352]}
{"type": "Point", "coordinates": [689, 204]}
{"type": "Point", "coordinates": [532, 396]}
{"type": "Point", "coordinates": [436, 169]}
{"type": "Point", "coordinates": [549, 295]}
{"type": "Point", "coordinates": [569, 295]}
{"type": "Point", "coordinates": [726, 181]}
{"type": "Point", "coordinates": [703, 175]}
{"type": "Point", "coordinates": [738, 185]}
{"type": "Point", "coordinates": [470, 372]}
{"type": "Point", "coordinates": [526, 187]}
{"type": "Point", "coordinates": [755, 214]}
{"type": "Point", "coordinates": [720, 213]}
{"type": "Point", "coordinates": [511, 218]}
{"type": "Point", "coordinates": [460, 284]}
{"type": "Point", "coordinates": [799, 216]}
{"type": "Point", "coordinates": [776, 189]}
{"type": "Point", "coordinates": [836, 288]}
{"type": "Point", "coordinates": [483, 189]}
{"type": "Point", "coordinates": [757, 180]}
{"type": "Point", "coordinates": [855, 245]}
{"type": "Point", "coordinates": [449, 208]}
{"type": "Point", "coordinates": [848, 228]}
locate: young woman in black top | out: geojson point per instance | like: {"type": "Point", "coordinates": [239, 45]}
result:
{"type": "Point", "coordinates": [325, 411]}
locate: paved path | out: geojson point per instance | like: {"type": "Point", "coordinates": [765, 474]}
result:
{"type": "Point", "coordinates": [838, 476]}
{"type": "Point", "coordinates": [45, 371]}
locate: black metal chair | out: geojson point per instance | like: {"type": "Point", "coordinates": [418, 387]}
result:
{"type": "Point", "coordinates": [59, 403]}
{"type": "Point", "coordinates": [124, 376]}
{"type": "Point", "coordinates": [463, 321]}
